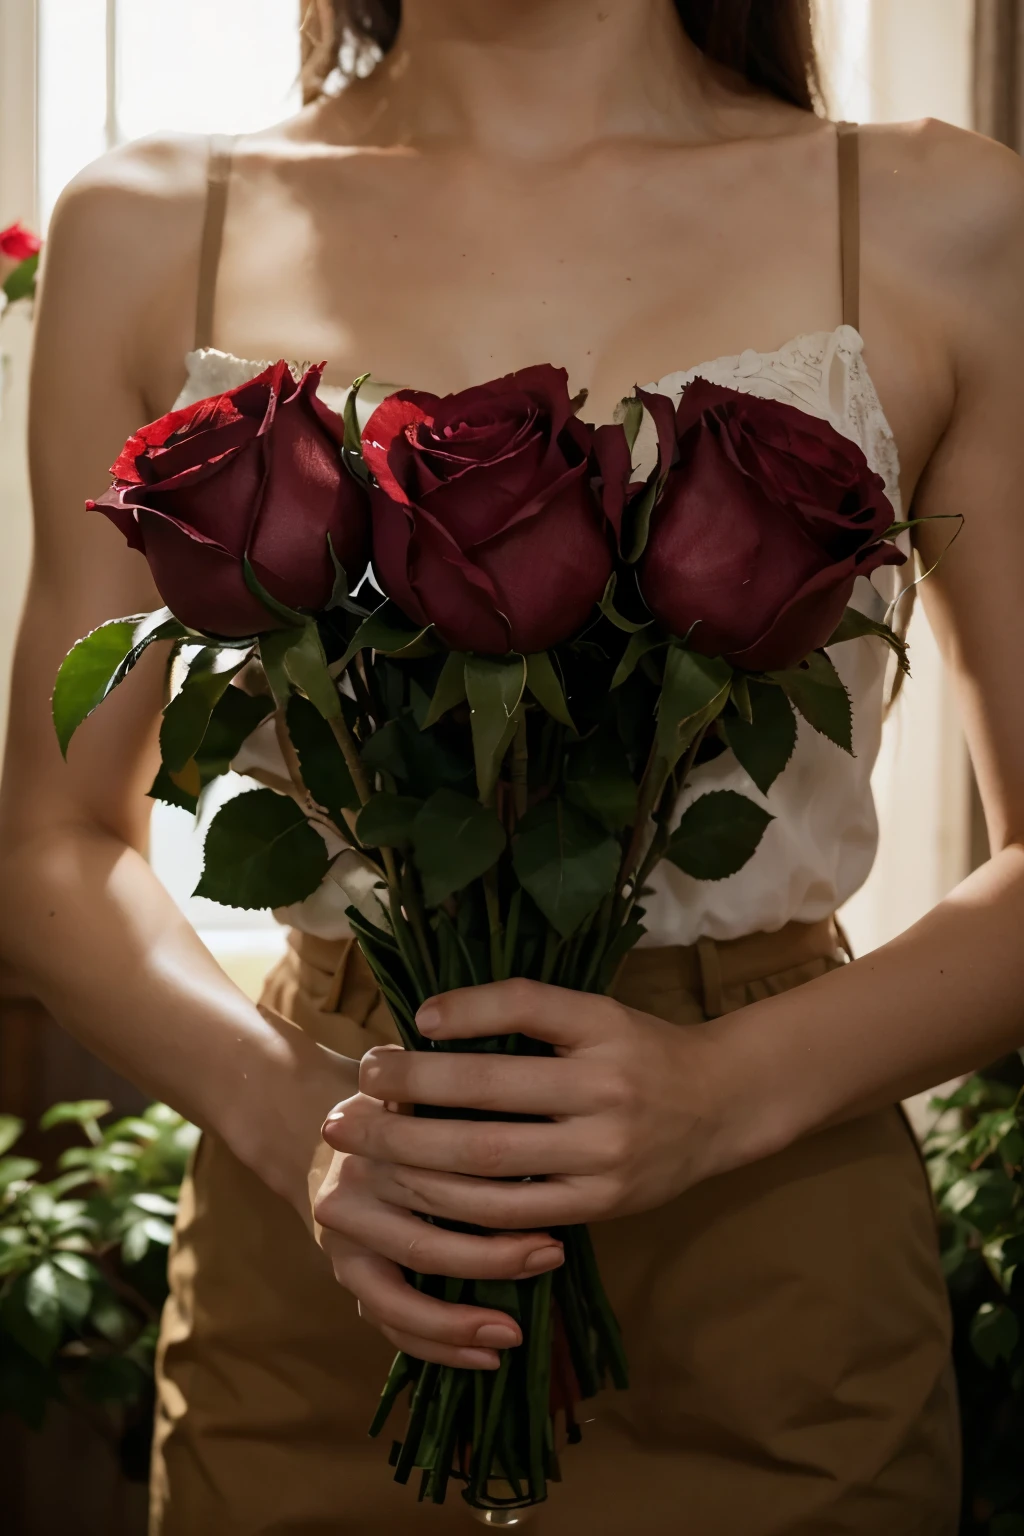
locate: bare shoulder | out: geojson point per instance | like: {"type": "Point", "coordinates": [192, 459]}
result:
{"type": "Point", "coordinates": [948, 206]}
{"type": "Point", "coordinates": [123, 247]}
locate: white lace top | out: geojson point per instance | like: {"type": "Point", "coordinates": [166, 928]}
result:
{"type": "Point", "coordinates": [820, 847]}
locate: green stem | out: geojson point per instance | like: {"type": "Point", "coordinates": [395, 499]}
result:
{"type": "Point", "coordinates": [520, 768]}
{"type": "Point", "coordinates": [490, 884]}
{"type": "Point", "coordinates": [418, 923]}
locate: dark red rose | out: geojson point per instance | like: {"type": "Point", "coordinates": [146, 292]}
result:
{"type": "Point", "coordinates": [17, 243]}
{"type": "Point", "coordinates": [485, 523]}
{"type": "Point", "coordinates": [767, 518]}
{"type": "Point", "coordinates": [254, 473]}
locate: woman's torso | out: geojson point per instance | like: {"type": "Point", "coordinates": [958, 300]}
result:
{"type": "Point", "coordinates": [416, 267]}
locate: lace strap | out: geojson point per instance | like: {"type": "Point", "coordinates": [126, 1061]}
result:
{"type": "Point", "coordinates": [218, 177]}
{"type": "Point", "coordinates": [848, 145]}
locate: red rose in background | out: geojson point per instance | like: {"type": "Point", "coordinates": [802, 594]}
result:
{"type": "Point", "coordinates": [255, 474]}
{"type": "Point", "coordinates": [17, 243]}
{"type": "Point", "coordinates": [485, 523]}
{"type": "Point", "coordinates": [767, 518]}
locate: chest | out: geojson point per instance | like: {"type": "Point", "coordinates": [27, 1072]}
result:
{"type": "Point", "coordinates": [440, 270]}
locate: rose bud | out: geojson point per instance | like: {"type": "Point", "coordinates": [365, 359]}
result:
{"type": "Point", "coordinates": [485, 523]}
{"type": "Point", "coordinates": [17, 244]}
{"type": "Point", "coordinates": [767, 517]}
{"type": "Point", "coordinates": [254, 474]}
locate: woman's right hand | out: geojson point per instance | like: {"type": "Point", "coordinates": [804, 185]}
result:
{"type": "Point", "coordinates": [370, 1241]}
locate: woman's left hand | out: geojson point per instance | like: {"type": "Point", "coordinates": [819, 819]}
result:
{"type": "Point", "coordinates": [636, 1110]}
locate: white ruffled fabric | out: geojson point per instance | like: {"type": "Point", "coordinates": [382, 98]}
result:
{"type": "Point", "coordinates": [820, 847]}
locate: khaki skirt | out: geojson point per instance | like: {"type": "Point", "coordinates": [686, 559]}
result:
{"type": "Point", "coordinates": [786, 1326]}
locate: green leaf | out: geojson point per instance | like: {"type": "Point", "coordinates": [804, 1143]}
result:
{"type": "Point", "coordinates": [421, 760]}
{"type": "Point", "coordinates": [352, 446]}
{"type": "Point", "coordinates": [632, 419]}
{"type": "Point", "coordinates": [854, 625]}
{"type": "Point", "coordinates": [306, 665]}
{"type": "Point", "coordinates": [765, 745]}
{"type": "Point", "coordinates": [21, 283]}
{"type": "Point", "coordinates": [565, 862]}
{"type": "Point", "coordinates": [717, 835]}
{"type": "Point", "coordinates": [30, 1312]}
{"type": "Point", "coordinates": [695, 690]}
{"type": "Point", "coordinates": [16, 1170]}
{"type": "Point", "coordinates": [235, 717]}
{"type": "Point", "coordinates": [455, 841]}
{"type": "Point", "coordinates": [598, 780]}
{"type": "Point", "coordinates": [262, 852]}
{"type": "Point", "coordinates": [73, 1293]}
{"type": "Point", "coordinates": [612, 614]}
{"type": "Point", "coordinates": [323, 768]}
{"type": "Point", "coordinates": [155, 1204]}
{"type": "Point", "coordinates": [639, 519]}
{"type": "Point", "coordinates": [386, 630]}
{"type": "Point", "coordinates": [640, 644]}
{"type": "Point", "coordinates": [10, 1129]}
{"type": "Point", "coordinates": [494, 689]}
{"type": "Point", "coordinates": [188, 714]}
{"type": "Point", "coordinates": [288, 616]}
{"type": "Point", "coordinates": [546, 686]}
{"type": "Point", "coordinates": [818, 693]}
{"type": "Point", "coordinates": [995, 1333]}
{"type": "Point", "coordinates": [101, 660]}
{"type": "Point", "coordinates": [385, 821]}
{"type": "Point", "coordinates": [450, 691]}
{"type": "Point", "coordinates": [78, 1113]}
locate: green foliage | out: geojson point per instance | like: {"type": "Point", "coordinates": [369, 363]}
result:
{"type": "Point", "coordinates": [566, 861]}
{"type": "Point", "coordinates": [321, 764]}
{"type": "Point", "coordinates": [762, 745]}
{"type": "Point", "coordinates": [696, 689]}
{"type": "Point", "coordinates": [101, 660]}
{"type": "Point", "coordinates": [494, 689]}
{"type": "Point", "coordinates": [21, 283]}
{"type": "Point", "coordinates": [187, 716]}
{"type": "Point", "coordinates": [83, 1262]}
{"type": "Point", "coordinates": [455, 841]}
{"type": "Point", "coordinates": [717, 835]}
{"type": "Point", "coordinates": [975, 1154]}
{"type": "Point", "coordinates": [817, 691]}
{"type": "Point", "coordinates": [234, 718]}
{"type": "Point", "coordinates": [261, 851]}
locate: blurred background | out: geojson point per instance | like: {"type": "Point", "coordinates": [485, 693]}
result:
{"type": "Point", "coordinates": [79, 76]}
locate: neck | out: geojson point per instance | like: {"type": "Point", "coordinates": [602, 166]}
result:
{"type": "Point", "coordinates": [540, 78]}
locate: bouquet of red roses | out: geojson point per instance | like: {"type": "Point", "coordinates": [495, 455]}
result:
{"type": "Point", "coordinates": [491, 650]}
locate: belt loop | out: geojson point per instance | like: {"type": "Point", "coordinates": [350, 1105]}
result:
{"type": "Point", "coordinates": [710, 977]}
{"type": "Point", "coordinates": [332, 999]}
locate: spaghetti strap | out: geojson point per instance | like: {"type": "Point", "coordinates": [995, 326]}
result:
{"type": "Point", "coordinates": [848, 146]}
{"type": "Point", "coordinates": [217, 180]}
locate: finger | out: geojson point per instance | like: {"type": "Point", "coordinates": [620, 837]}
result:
{"type": "Point", "coordinates": [386, 1297]}
{"type": "Point", "coordinates": [490, 1149]}
{"type": "Point", "coordinates": [567, 1020]}
{"type": "Point", "coordinates": [396, 1234]}
{"type": "Point", "coordinates": [440, 1354]}
{"type": "Point", "coordinates": [523, 1085]}
{"type": "Point", "coordinates": [516, 1206]}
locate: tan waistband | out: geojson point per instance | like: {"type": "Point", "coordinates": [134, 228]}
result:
{"type": "Point", "coordinates": [708, 969]}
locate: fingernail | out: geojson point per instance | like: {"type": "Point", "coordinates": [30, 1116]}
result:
{"type": "Point", "coordinates": [479, 1360]}
{"type": "Point", "coordinates": [544, 1258]}
{"type": "Point", "coordinates": [428, 1019]}
{"type": "Point", "coordinates": [334, 1118]}
{"type": "Point", "coordinates": [498, 1336]}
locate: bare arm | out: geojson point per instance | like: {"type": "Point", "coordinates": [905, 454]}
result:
{"type": "Point", "coordinates": [84, 920]}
